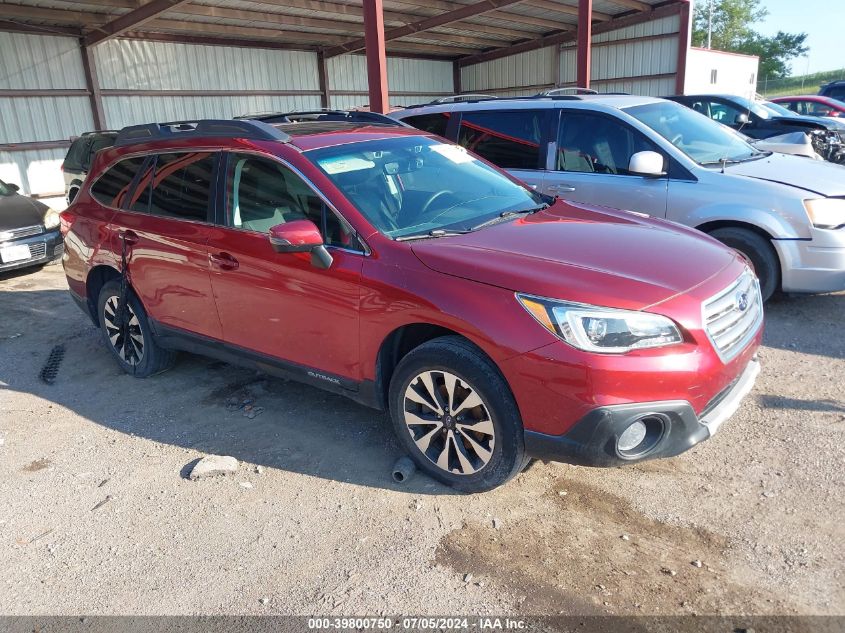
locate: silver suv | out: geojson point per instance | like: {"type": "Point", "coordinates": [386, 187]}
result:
{"type": "Point", "coordinates": [652, 156]}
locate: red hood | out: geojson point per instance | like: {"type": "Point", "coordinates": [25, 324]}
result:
{"type": "Point", "coordinates": [588, 255]}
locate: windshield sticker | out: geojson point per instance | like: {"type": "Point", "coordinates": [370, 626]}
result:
{"type": "Point", "coordinates": [345, 164]}
{"type": "Point", "coordinates": [454, 153]}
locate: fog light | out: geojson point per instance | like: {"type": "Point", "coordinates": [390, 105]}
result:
{"type": "Point", "coordinates": [631, 437]}
{"type": "Point", "coordinates": [641, 436]}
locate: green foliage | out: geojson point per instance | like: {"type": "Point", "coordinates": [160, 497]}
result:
{"type": "Point", "coordinates": [733, 31]}
{"type": "Point", "coordinates": [799, 84]}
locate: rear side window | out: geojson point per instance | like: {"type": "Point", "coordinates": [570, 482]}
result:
{"type": "Point", "coordinates": [75, 154]}
{"type": "Point", "coordinates": [835, 92]}
{"type": "Point", "coordinates": [97, 143]}
{"type": "Point", "coordinates": [180, 186]}
{"type": "Point", "coordinates": [112, 188]}
{"type": "Point", "coordinates": [507, 139]}
{"type": "Point", "coordinates": [434, 123]}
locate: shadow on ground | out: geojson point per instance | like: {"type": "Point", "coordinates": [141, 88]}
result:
{"type": "Point", "coordinates": [301, 428]}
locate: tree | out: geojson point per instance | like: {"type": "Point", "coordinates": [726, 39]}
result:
{"type": "Point", "coordinates": [733, 30]}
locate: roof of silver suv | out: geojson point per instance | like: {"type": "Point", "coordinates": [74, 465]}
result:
{"type": "Point", "coordinates": [570, 101]}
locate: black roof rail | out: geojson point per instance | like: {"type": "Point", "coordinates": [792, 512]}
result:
{"type": "Point", "coordinates": [209, 128]}
{"type": "Point", "coordinates": [348, 116]}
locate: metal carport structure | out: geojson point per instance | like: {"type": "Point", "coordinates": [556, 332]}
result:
{"type": "Point", "coordinates": [129, 60]}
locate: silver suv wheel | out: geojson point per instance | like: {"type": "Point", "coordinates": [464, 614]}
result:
{"type": "Point", "coordinates": [449, 422]}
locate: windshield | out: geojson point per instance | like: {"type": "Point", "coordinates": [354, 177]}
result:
{"type": "Point", "coordinates": [696, 135]}
{"type": "Point", "coordinates": [778, 109]}
{"type": "Point", "coordinates": [412, 185]}
{"type": "Point", "coordinates": [752, 106]}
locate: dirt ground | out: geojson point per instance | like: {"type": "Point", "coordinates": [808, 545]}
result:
{"type": "Point", "coordinates": [97, 516]}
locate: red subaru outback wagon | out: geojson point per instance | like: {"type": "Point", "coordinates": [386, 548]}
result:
{"type": "Point", "coordinates": [376, 261]}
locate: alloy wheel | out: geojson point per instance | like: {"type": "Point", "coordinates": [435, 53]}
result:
{"type": "Point", "coordinates": [449, 422]}
{"type": "Point", "coordinates": [126, 338]}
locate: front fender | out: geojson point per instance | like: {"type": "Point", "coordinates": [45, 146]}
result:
{"type": "Point", "coordinates": [777, 224]}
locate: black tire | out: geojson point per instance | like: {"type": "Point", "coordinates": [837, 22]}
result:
{"type": "Point", "coordinates": [476, 373]}
{"type": "Point", "coordinates": [152, 358]}
{"type": "Point", "coordinates": [759, 250]}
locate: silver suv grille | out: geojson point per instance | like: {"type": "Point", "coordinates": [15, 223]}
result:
{"type": "Point", "coordinates": [16, 234]}
{"type": "Point", "coordinates": [732, 317]}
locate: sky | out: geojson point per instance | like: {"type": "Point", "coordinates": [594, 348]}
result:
{"type": "Point", "coordinates": [821, 20]}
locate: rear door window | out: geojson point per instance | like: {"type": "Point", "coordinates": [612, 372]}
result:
{"type": "Point", "coordinates": [112, 188]}
{"type": "Point", "coordinates": [181, 186]}
{"type": "Point", "coordinates": [508, 139]}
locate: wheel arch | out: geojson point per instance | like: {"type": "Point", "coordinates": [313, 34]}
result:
{"type": "Point", "coordinates": [398, 344]}
{"type": "Point", "coordinates": [98, 277]}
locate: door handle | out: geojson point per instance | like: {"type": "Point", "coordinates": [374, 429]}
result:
{"type": "Point", "coordinates": [562, 188]}
{"type": "Point", "coordinates": [223, 261]}
{"type": "Point", "coordinates": [129, 237]}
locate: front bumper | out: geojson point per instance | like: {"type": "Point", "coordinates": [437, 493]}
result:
{"type": "Point", "coordinates": [592, 441]}
{"type": "Point", "coordinates": [43, 248]}
{"type": "Point", "coordinates": [815, 265]}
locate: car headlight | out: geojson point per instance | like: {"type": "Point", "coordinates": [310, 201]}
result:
{"type": "Point", "coordinates": [603, 330]}
{"type": "Point", "coordinates": [51, 219]}
{"type": "Point", "coordinates": [826, 213]}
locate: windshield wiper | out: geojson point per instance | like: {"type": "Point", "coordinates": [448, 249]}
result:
{"type": "Point", "coordinates": [429, 235]}
{"type": "Point", "coordinates": [508, 214]}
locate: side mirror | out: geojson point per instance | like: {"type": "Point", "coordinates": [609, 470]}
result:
{"type": "Point", "coordinates": [13, 186]}
{"type": "Point", "coordinates": [300, 236]}
{"type": "Point", "coordinates": [648, 164]}
{"type": "Point", "coordinates": [741, 119]}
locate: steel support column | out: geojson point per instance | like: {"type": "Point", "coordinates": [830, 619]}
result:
{"type": "Point", "coordinates": [89, 66]}
{"type": "Point", "coordinates": [585, 42]}
{"type": "Point", "coordinates": [376, 55]}
{"type": "Point", "coordinates": [684, 32]}
{"type": "Point", "coordinates": [323, 76]}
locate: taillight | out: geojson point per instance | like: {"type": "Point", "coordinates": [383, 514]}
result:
{"type": "Point", "coordinates": [66, 219]}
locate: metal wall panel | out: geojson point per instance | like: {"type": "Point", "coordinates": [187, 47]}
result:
{"type": "Point", "coordinates": [36, 171]}
{"type": "Point", "coordinates": [38, 62]}
{"type": "Point", "coordinates": [122, 111]}
{"type": "Point", "coordinates": [43, 118]}
{"type": "Point", "coordinates": [348, 73]}
{"type": "Point", "coordinates": [525, 69]}
{"type": "Point", "coordinates": [625, 62]}
{"type": "Point", "coordinates": [146, 65]}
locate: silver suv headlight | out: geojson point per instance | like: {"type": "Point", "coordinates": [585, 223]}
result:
{"type": "Point", "coordinates": [826, 213]}
{"type": "Point", "coordinates": [602, 330]}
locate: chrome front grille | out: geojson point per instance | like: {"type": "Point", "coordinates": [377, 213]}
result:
{"type": "Point", "coordinates": [732, 317]}
{"type": "Point", "coordinates": [16, 234]}
{"type": "Point", "coordinates": [37, 251]}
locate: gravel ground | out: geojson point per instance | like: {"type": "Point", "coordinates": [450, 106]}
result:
{"type": "Point", "coordinates": [97, 515]}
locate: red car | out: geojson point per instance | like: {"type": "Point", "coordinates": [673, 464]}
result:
{"type": "Point", "coordinates": [813, 105]}
{"type": "Point", "coordinates": [383, 263]}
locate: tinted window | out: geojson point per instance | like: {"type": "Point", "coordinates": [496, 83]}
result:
{"type": "Point", "coordinates": [75, 154]}
{"type": "Point", "coordinates": [836, 92]}
{"type": "Point", "coordinates": [181, 186]}
{"type": "Point", "coordinates": [434, 123]}
{"type": "Point", "coordinates": [596, 144]}
{"type": "Point", "coordinates": [263, 193]}
{"type": "Point", "coordinates": [97, 143]}
{"type": "Point", "coordinates": [507, 139]}
{"type": "Point", "coordinates": [112, 188]}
